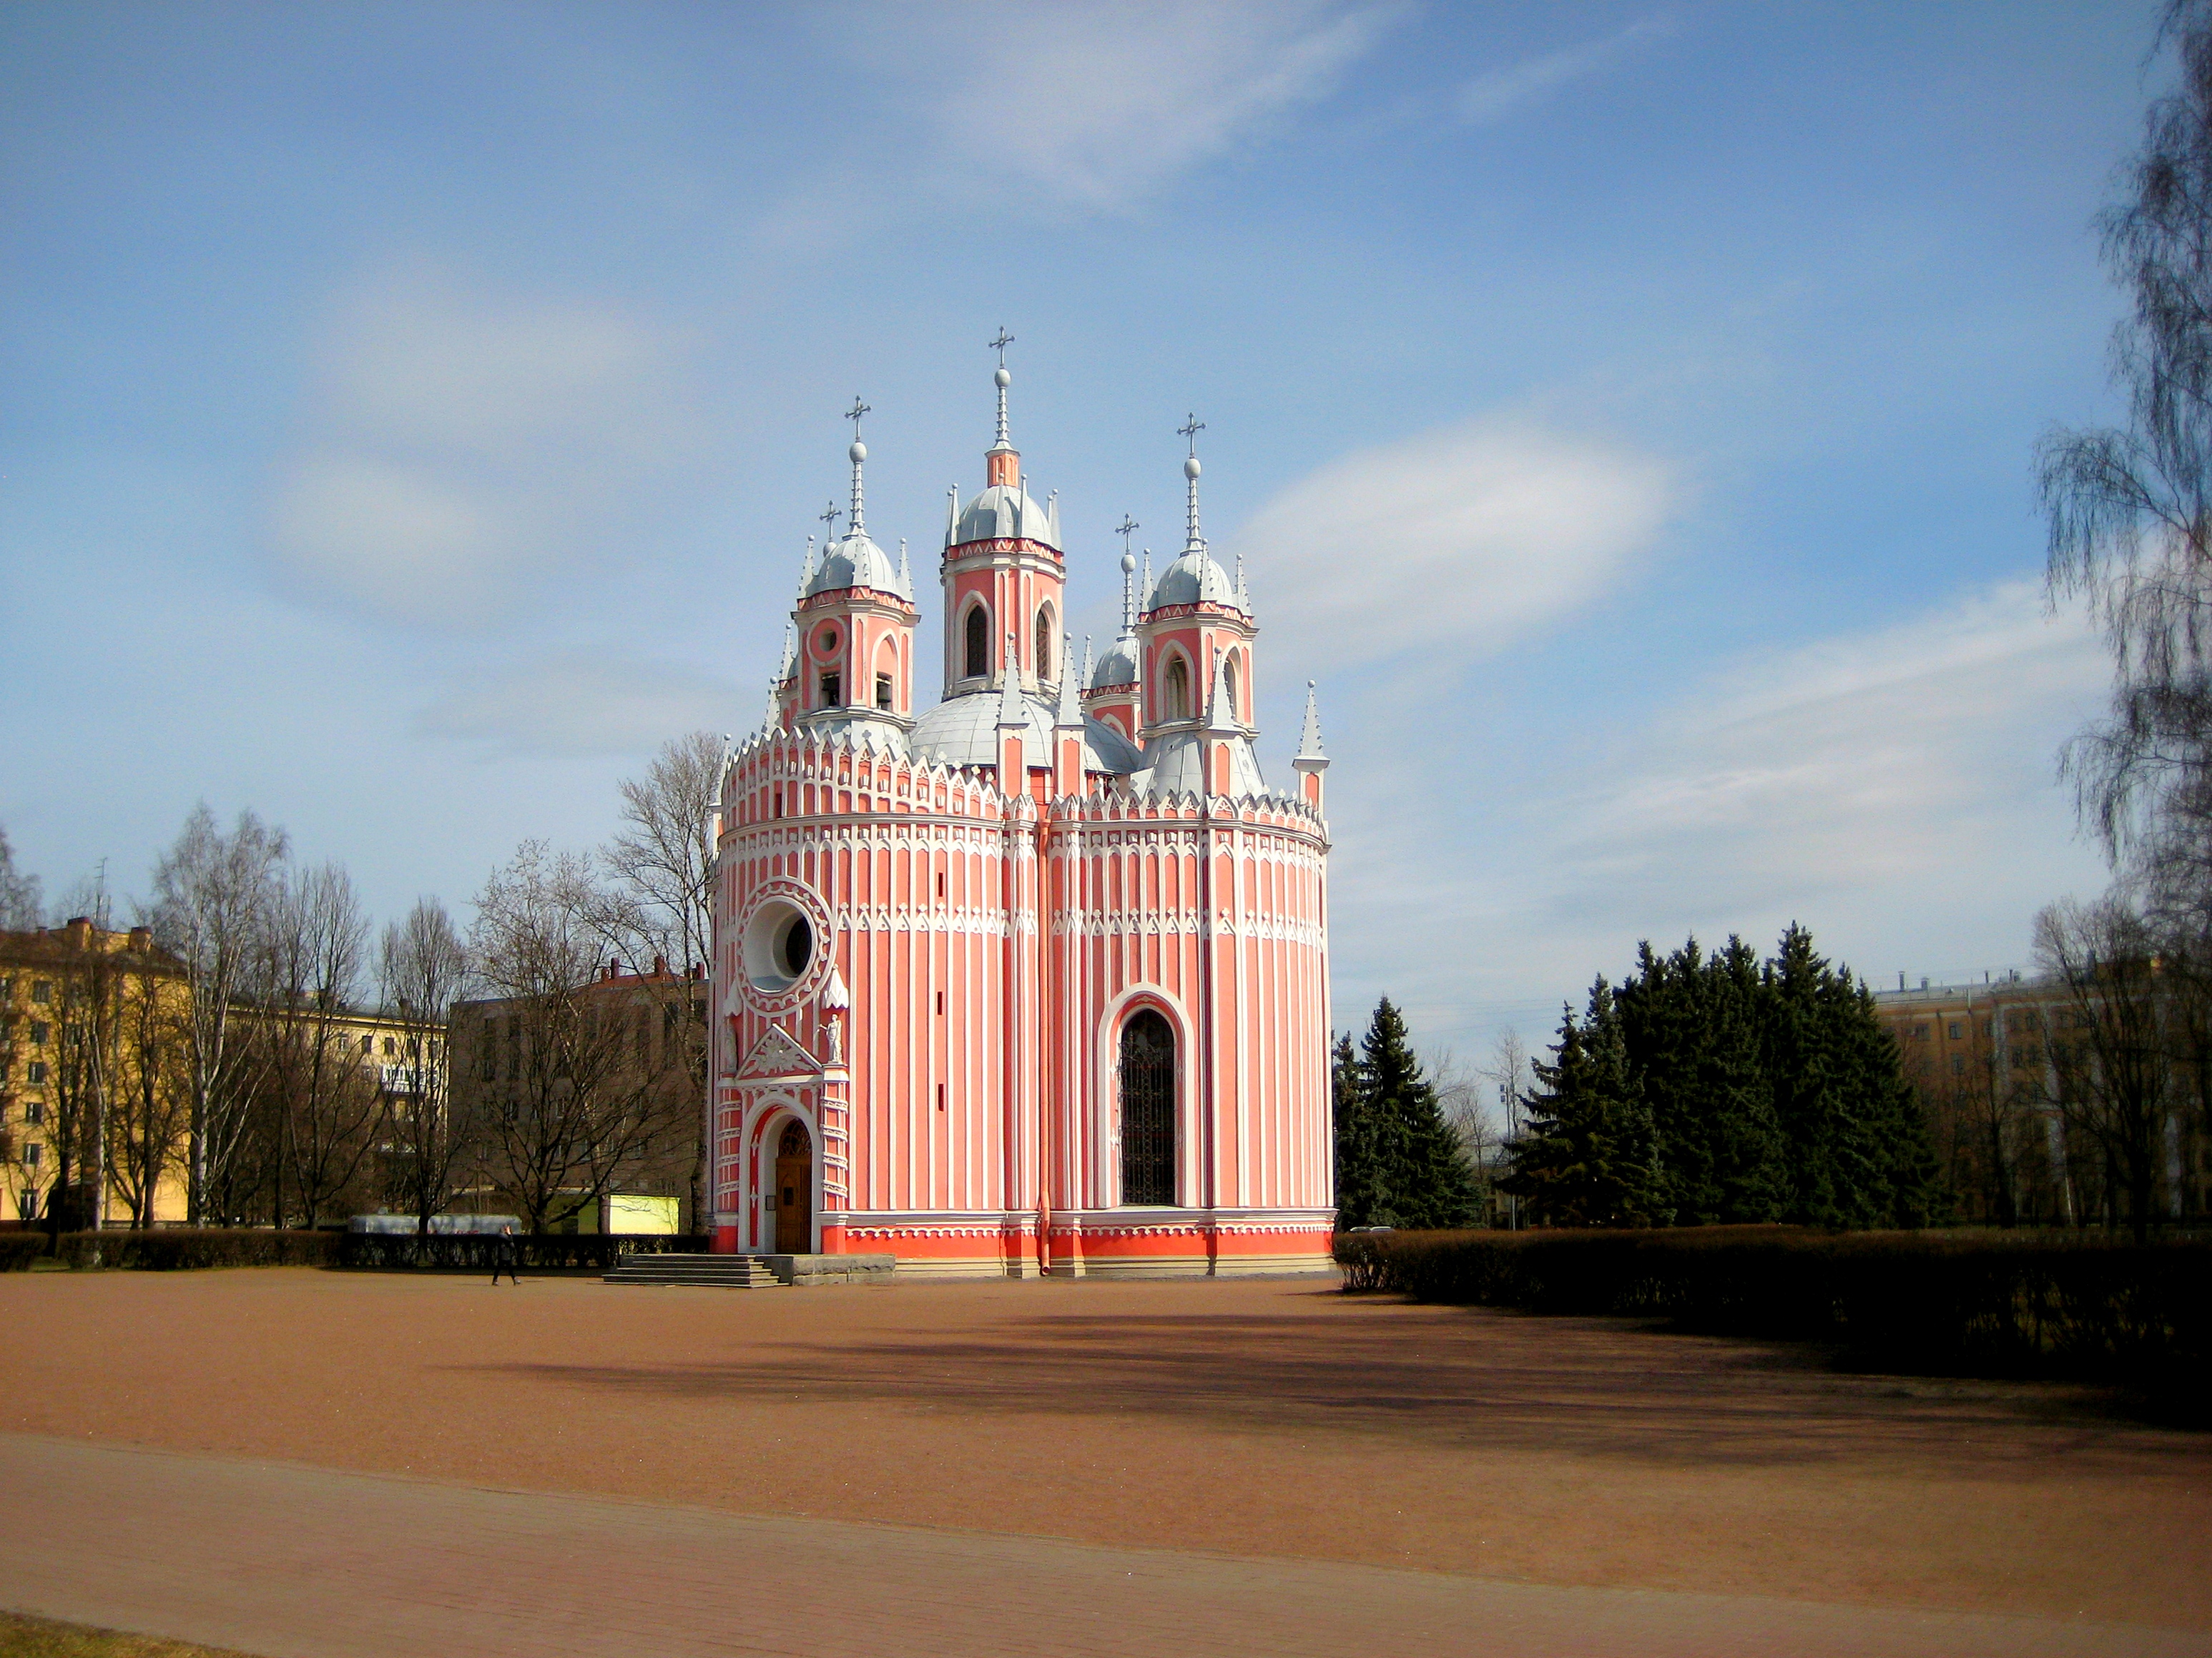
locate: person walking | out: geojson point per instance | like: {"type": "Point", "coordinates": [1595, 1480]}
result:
{"type": "Point", "coordinates": [502, 1256]}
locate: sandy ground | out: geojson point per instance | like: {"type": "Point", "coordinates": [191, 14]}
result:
{"type": "Point", "coordinates": [1263, 1418]}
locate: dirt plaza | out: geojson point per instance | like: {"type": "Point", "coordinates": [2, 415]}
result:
{"type": "Point", "coordinates": [1275, 1419]}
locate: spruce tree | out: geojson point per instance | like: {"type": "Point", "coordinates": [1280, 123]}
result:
{"type": "Point", "coordinates": [1360, 1191]}
{"type": "Point", "coordinates": [1428, 1178]}
{"type": "Point", "coordinates": [1744, 1144]}
{"type": "Point", "coordinates": [1590, 1156]}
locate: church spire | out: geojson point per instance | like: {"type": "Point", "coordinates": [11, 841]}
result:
{"type": "Point", "coordinates": [857, 455]}
{"type": "Point", "coordinates": [1002, 464]}
{"type": "Point", "coordinates": [1190, 428]}
{"type": "Point", "coordinates": [1124, 529]}
{"type": "Point", "coordinates": [1002, 380]}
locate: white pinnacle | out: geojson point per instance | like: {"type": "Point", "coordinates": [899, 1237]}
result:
{"type": "Point", "coordinates": [1309, 753]}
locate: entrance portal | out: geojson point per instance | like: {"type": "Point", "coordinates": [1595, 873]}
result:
{"type": "Point", "coordinates": [1148, 1113]}
{"type": "Point", "coordinates": [794, 1191]}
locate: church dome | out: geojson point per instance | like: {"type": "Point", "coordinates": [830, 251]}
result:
{"type": "Point", "coordinates": [1193, 579]}
{"type": "Point", "coordinates": [1004, 513]}
{"type": "Point", "coordinates": [964, 732]}
{"type": "Point", "coordinates": [857, 561]}
{"type": "Point", "coordinates": [1118, 666]}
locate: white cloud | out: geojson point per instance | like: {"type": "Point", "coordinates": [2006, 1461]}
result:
{"type": "Point", "coordinates": [1500, 94]}
{"type": "Point", "coordinates": [1845, 766]}
{"type": "Point", "coordinates": [573, 705]}
{"type": "Point", "coordinates": [1101, 103]}
{"type": "Point", "coordinates": [462, 446]}
{"type": "Point", "coordinates": [1894, 789]}
{"type": "Point", "coordinates": [1481, 533]}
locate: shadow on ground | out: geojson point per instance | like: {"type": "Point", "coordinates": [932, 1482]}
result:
{"type": "Point", "coordinates": [1472, 1376]}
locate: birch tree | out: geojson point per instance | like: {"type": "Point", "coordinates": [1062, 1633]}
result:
{"type": "Point", "coordinates": [424, 967]}
{"type": "Point", "coordinates": [212, 892]}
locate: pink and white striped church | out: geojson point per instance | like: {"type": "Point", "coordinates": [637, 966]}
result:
{"type": "Point", "coordinates": [1036, 980]}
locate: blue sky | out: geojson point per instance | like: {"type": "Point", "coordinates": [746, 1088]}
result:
{"type": "Point", "coordinates": [414, 414]}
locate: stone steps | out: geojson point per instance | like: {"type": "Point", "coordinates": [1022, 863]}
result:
{"type": "Point", "coordinates": [717, 1272]}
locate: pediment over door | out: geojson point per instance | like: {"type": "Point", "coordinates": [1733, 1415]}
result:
{"type": "Point", "coordinates": [777, 1054]}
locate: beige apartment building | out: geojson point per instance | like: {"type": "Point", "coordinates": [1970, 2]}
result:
{"type": "Point", "coordinates": [1988, 1060]}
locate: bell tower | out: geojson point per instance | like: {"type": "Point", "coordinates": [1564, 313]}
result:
{"type": "Point", "coordinates": [1004, 575]}
{"type": "Point", "coordinates": [1196, 683]}
{"type": "Point", "coordinates": [850, 666]}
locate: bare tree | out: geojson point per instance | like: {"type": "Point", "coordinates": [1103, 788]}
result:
{"type": "Point", "coordinates": [2111, 1051]}
{"type": "Point", "coordinates": [148, 1116]}
{"type": "Point", "coordinates": [20, 910]}
{"type": "Point", "coordinates": [660, 905]}
{"type": "Point", "coordinates": [1508, 1073]}
{"type": "Point", "coordinates": [322, 1105]}
{"type": "Point", "coordinates": [85, 1016]}
{"type": "Point", "coordinates": [1462, 1095]}
{"type": "Point", "coordinates": [424, 969]}
{"type": "Point", "coordinates": [2129, 511]}
{"type": "Point", "coordinates": [211, 892]}
{"type": "Point", "coordinates": [583, 1097]}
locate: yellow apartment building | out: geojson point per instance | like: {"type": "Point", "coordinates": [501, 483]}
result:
{"type": "Point", "coordinates": [94, 1073]}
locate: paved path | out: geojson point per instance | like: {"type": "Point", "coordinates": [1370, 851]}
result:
{"type": "Point", "coordinates": [307, 1563]}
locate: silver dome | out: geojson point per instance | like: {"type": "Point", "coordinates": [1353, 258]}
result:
{"type": "Point", "coordinates": [857, 561]}
{"type": "Point", "coordinates": [1004, 513]}
{"type": "Point", "coordinates": [964, 732]}
{"type": "Point", "coordinates": [1118, 666]}
{"type": "Point", "coordinates": [1193, 579]}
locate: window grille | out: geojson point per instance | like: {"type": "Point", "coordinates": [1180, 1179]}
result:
{"type": "Point", "coordinates": [1148, 1114]}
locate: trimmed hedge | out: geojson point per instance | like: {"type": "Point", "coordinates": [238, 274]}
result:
{"type": "Point", "coordinates": [170, 1249]}
{"type": "Point", "coordinates": [2072, 1306]}
{"type": "Point", "coordinates": [474, 1251]}
{"type": "Point", "coordinates": [19, 1250]}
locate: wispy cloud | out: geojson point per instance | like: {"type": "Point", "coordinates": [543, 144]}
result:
{"type": "Point", "coordinates": [576, 705]}
{"type": "Point", "coordinates": [1500, 94]}
{"type": "Point", "coordinates": [1843, 766]}
{"type": "Point", "coordinates": [1099, 104]}
{"type": "Point", "coordinates": [1894, 789]}
{"type": "Point", "coordinates": [1480, 532]}
{"type": "Point", "coordinates": [462, 444]}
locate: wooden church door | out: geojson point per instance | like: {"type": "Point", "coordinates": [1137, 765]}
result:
{"type": "Point", "coordinates": [794, 1191]}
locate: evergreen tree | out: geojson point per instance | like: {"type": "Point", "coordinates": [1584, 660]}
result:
{"type": "Point", "coordinates": [1856, 1148]}
{"type": "Point", "coordinates": [1360, 1192]}
{"type": "Point", "coordinates": [1590, 1156]}
{"type": "Point", "coordinates": [1743, 1140]}
{"type": "Point", "coordinates": [1428, 1180]}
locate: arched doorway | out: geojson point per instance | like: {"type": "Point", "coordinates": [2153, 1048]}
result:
{"type": "Point", "coordinates": [1148, 1109]}
{"type": "Point", "coordinates": [794, 1191]}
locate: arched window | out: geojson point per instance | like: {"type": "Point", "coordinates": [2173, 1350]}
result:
{"type": "Point", "coordinates": [979, 642]}
{"type": "Point", "coordinates": [1176, 688]}
{"type": "Point", "coordinates": [1044, 643]}
{"type": "Point", "coordinates": [1228, 674]}
{"type": "Point", "coordinates": [1148, 1109]}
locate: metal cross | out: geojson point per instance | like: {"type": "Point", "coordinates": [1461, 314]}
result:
{"type": "Point", "coordinates": [1190, 428]}
{"type": "Point", "coordinates": [1001, 345]}
{"type": "Point", "coordinates": [853, 415]}
{"type": "Point", "coordinates": [1128, 527]}
{"type": "Point", "coordinates": [831, 517]}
